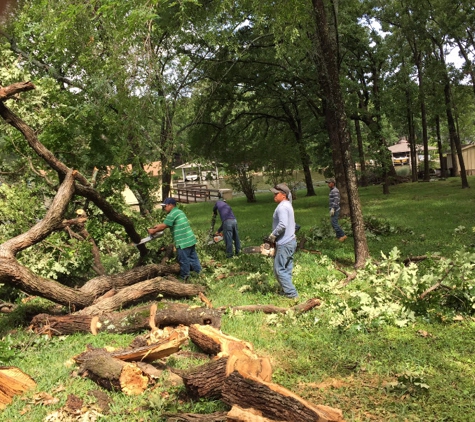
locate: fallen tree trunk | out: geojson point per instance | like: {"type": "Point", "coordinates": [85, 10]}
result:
{"type": "Point", "coordinates": [128, 321]}
{"type": "Point", "coordinates": [142, 291]}
{"type": "Point", "coordinates": [102, 284]}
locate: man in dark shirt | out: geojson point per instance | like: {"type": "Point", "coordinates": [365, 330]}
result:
{"type": "Point", "coordinates": [229, 227]}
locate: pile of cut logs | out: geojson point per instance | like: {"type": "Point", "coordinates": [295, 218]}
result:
{"type": "Point", "coordinates": [234, 373]}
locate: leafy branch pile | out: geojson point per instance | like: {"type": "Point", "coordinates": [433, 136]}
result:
{"type": "Point", "coordinates": [393, 293]}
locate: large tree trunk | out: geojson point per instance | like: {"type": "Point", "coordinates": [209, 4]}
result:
{"type": "Point", "coordinates": [336, 121]}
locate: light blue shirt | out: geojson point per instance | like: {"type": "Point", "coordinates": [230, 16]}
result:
{"type": "Point", "coordinates": [283, 223]}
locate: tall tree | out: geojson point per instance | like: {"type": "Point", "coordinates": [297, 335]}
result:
{"type": "Point", "coordinates": [326, 55]}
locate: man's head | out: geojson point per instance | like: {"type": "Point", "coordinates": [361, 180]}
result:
{"type": "Point", "coordinates": [281, 192]}
{"type": "Point", "coordinates": [168, 204]}
{"type": "Point", "coordinates": [330, 182]}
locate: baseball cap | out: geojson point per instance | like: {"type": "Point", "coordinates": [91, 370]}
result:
{"type": "Point", "coordinates": [169, 201]}
{"type": "Point", "coordinates": [330, 180]}
{"type": "Point", "coordinates": [281, 187]}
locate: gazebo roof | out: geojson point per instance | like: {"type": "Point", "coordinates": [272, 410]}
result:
{"type": "Point", "coordinates": [403, 146]}
{"type": "Point", "coordinates": [188, 166]}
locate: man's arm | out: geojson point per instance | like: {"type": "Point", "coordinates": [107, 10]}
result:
{"type": "Point", "coordinates": [158, 228]}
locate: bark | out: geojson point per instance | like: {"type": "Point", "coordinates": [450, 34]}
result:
{"type": "Point", "coordinates": [274, 401]}
{"type": "Point", "coordinates": [205, 381]}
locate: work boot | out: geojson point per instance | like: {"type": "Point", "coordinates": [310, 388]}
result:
{"type": "Point", "coordinates": [342, 239]}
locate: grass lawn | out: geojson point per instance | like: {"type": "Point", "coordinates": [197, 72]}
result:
{"type": "Point", "coordinates": [423, 371]}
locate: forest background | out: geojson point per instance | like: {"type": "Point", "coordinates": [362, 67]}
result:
{"type": "Point", "coordinates": [279, 86]}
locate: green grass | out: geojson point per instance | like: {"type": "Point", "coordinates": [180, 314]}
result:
{"type": "Point", "coordinates": [422, 372]}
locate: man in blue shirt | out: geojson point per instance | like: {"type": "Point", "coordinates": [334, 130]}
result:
{"type": "Point", "coordinates": [229, 227]}
{"type": "Point", "coordinates": [283, 234]}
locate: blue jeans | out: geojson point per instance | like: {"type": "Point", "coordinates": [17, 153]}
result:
{"type": "Point", "coordinates": [230, 233]}
{"type": "Point", "coordinates": [188, 260]}
{"type": "Point", "coordinates": [283, 265]}
{"type": "Point", "coordinates": [334, 220]}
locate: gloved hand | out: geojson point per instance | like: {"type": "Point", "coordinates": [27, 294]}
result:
{"type": "Point", "coordinates": [332, 212]}
{"type": "Point", "coordinates": [271, 238]}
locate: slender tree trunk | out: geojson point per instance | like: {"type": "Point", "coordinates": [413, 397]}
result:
{"type": "Point", "coordinates": [359, 140]}
{"type": "Point", "coordinates": [453, 134]}
{"type": "Point", "coordinates": [442, 159]}
{"type": "Point", "coordinates": [411, 132]}
{"type": "Point", "coordinates": [296, 126]}
{"type": "Point", "coordinates": [326, 59]}
{"type": "Point", "coordinates": [425, 137]}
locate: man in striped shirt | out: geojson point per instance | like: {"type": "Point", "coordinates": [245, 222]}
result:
{"type": "Point", "coordinates": [334, 205]}
{"type": "Point", "coordinates": [183, 237]}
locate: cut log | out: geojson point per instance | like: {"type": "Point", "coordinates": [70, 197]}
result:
{"type": "Point", "coordinates": [128, 321]}
{"type": "Point", "coordinates": [110, 371]}
{"type": "Point", "coordinates": [195, 417]}
{"type": "Point", "coordinates": [155, 351]}
{"type": "Point", "coordinates": [145, 353]}
{"type": "Point", "coordinates": [274, 401]}
{"type": "Point", "coordinates": [271, 309]}
{"type": "Point", "coordinates": [181, 314]}
{"type": "Point", "coordinates": [238, 414]}
{"type": "Point", "coordinates": [213, 341]}
{"type": "Point", "coordinates": [114, 374]}
{"type": "Point", "coordinates": [102, 368]}
{"type": "Point", "coordinates": [241, 353]}
{"type": "Point", "coordinates": [207, 380]}
{"type": "Point", "coordinates": [13, 382]}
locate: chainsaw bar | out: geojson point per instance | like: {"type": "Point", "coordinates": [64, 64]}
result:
{"type": "Point", "coordinates": [149, 238]}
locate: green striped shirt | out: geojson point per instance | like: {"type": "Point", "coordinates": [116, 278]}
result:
{"type": "Point", "coordinates": [180, 227]}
